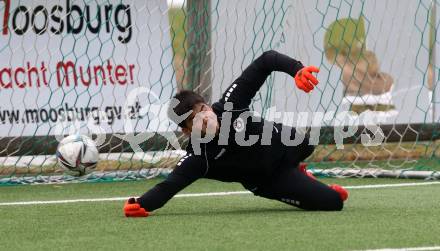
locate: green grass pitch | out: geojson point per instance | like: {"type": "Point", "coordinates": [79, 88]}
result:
{"type": "Point", "coordinates": [373, 218]}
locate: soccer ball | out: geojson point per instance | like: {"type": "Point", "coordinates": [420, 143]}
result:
{"type": "Point", "coordinates": [77, 154]}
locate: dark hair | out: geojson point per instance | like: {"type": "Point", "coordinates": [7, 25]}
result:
{"type": "Point", "coordinates": [183, 102]}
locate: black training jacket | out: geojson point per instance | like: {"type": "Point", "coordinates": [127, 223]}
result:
{"type": "Point", "coordinates": [223, 158]}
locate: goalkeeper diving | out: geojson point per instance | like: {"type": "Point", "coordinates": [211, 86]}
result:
{"type": "Point", "coordinates": [229, 143]}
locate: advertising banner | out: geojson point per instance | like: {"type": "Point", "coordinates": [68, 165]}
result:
{"type": "Point", "coordinates": [105, 64]}
{"type": "Point", "coordinates": [373, 57]}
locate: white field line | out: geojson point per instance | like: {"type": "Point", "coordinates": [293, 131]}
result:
{"type": "Point", "coordinates": [406, 249]}
{"type": "Point", "coordinates": [41, 202]}
{"type": "Point", "coordinates": [394, 185]}
{"type": "Point", "coordinates": [19, 203]}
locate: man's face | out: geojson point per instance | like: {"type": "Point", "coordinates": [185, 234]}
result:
{"type": "Point", "coordinates": [202, 119]}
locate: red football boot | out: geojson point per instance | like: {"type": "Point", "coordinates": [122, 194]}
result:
{"type": "Point", "coordinates": [343, 193]}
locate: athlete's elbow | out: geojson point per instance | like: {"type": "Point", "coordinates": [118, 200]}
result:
{"type": "Point", "coordinates": [267, 62]}
{"type": "Point", "coordinates": [269, 53]}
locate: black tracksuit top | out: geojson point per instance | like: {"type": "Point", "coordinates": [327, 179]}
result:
{"type": "Point", "coordinates": [223, 158]}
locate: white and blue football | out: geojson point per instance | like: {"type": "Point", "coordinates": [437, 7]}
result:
{"type": "Point", "coordinates": [77, 154]}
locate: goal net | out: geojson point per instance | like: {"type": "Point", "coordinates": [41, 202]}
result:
{"type": "Point", "coordinates": [109, 68]}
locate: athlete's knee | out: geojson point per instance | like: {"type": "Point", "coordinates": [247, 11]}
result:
{"type": "Point", "coordinates": [309, 149]}
{"type": "Point", "coordinates": [306, 150]}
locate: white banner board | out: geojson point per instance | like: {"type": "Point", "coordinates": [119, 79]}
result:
{"type": "Point", "coordinates": [64, 62]}
{"type": "Point", "coordinates": [373, 55]}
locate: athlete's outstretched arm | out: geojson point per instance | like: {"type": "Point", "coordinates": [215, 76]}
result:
{"type": "Point", "coordinates": [244, 88]}
{"type": "Point", "coordinates": [189, 169]}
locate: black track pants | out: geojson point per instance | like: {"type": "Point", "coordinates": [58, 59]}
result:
{"type": "Point", "coordinates": [294, 187]}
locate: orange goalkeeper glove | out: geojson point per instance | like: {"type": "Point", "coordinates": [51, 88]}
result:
{"type": "Point", "coordinates": [305, 80]}
{"type": "Point", "coordinates": [133, 209]}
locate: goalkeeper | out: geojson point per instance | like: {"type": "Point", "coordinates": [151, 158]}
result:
{"type": "Point", "coordinates": [272, 171]}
